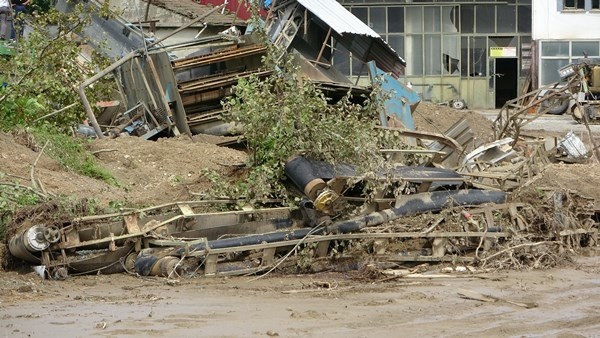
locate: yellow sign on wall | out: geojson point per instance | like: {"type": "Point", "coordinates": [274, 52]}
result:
{"type": "Point", "coordinates": [501, 52]}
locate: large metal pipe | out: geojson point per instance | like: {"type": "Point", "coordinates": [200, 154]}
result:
{"type": "Point", "coordinates": [410, 205]}
{"type": "Point", "coordinates": [28, 243]}
{"type": "Point", "coordinates": [301, 172]}
{"type": "Point", "coordinates": [416, 204]}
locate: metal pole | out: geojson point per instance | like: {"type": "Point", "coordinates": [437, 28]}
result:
{"type": "Point", "coordinates": [102, 73]}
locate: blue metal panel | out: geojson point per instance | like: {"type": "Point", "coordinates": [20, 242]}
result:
{"type": "Point", "coordinates": [402, 100]}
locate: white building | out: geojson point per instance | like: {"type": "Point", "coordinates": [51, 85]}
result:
{"type": "Point", "coordinates": [563, 31]}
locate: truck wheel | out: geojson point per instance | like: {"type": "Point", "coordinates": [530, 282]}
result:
{"type": "Point", "coordinates": [558, 105]}
{"type": "Point", "coordinates": [459, 104]}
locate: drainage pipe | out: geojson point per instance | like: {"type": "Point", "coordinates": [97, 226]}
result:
{"type": "Point", "coordinates": [301, 172]}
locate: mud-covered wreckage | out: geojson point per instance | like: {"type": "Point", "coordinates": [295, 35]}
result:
{"type": "Point", "coordinates": [173, 96]}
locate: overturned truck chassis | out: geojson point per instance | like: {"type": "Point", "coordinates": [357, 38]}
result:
{"type": "Point", "coordinates": [155, 241]}
{"type": "Point", "coordinates": [171, 239]}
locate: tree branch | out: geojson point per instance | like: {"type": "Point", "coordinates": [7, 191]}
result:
{"type": "Point", "coordinates": [41, 57]}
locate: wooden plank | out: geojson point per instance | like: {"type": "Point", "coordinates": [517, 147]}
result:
{"type": "Point", "coordinates": [131, 223]}
{"type": "Point", "coordinates": [217, 56]}
{"type": "Point", "coordinates": [503, 206]}
{"type": "Point", "coordinates": [430, 259]}
{"type": "Point", "coordinates": [322, 248]}
{"type": "Point", "coordinates": [489, 217]}
{"type": "Point", "coordinates": [439, 247]}
{"type": "Point", "coordinates": [268, 256]}
{"type": "Point", "coordinates": [468, 294]}
{"type": "Point", "coordinates": [167, 242]}
{"type": "Point", "coordinates": [413, 151]}
{"type": "Point", "coordinates": [241, 272]}
{"type": "Point", "coordinates": [186, 210]}
{"type": "Point", "coordinates": [210, 265]}
{"type": "Point", "coordinates": [424, 187]}
{"type": "Point", "coordinates": [175, 205]}
{"type": "Point", "coordinates": [576, 232]}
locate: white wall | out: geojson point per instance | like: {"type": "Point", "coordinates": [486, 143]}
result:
{"type": "Point", "coordinates": [550, 24]}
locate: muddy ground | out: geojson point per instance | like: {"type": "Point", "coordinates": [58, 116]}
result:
{"type": "Point", "coordinates": [567, 304]}
{"type": "Point", "coordinates": [347, 304]}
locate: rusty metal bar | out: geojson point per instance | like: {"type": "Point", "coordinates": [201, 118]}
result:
{"type": "Point", "coordinates": [98, 76]}
{"type": "Point", "coordinates": [217, 56]}
{"type": "Point", "coordinates": [162, 95]}
{"type": "Point", "coordinates": [324, 45]}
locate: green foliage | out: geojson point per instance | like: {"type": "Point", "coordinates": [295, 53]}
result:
{"type": "Point", "coordinates": [285, 115]}
{"type": "Point", "coordinates": [222, 187]}
{"type": "Point", "coordinates": [44, 75]}
{"type": "Point", "coordinates": [40, 6]}
{"type": "Point", "coordinates": [42, 78]}
{"type": "Point", "coordinates": [71, 154]}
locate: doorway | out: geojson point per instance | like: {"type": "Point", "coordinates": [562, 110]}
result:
{"type": "Point", "coordinates": [506, 80]}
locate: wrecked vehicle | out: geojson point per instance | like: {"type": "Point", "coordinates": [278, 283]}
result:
{"type": "Point", "coordinates": [179, 237]}
{"type": "Point", "coordinates": [579, 96]}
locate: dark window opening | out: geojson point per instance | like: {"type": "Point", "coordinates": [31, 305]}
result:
{"type": "Point", "coordinates": [595, 4]}
{"type": "Point", "coordinates": [574, 4]}
{"type": "Point", "coordinates": [395, 16]}
{"type": "Point", "coordinates": [467, 15]}
{"type": "Point", "coordinates": [524, 19]}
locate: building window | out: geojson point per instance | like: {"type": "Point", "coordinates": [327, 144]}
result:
{"type": "Point", "coordinates": [467, 19]}
{"type": "Point", "coordinates": [524, 19]}
{"type": "Point", "coordinates": [485, 19]}
{"type": "Point", "coordinates": [377, 19]}
{"type": "Point", "coordinates": [395, 17]}
{"type": "Point", "coordinates": [556, 54]}
{"type": "Point", "coordinates": [574, 4]}
{"type": "Point", "coordinates": [595, 4]}
{"type": "Point", "coordinates": [507, 19]}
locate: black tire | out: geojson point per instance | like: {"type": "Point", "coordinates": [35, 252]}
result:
{"type": "Point", "coordinates": [558, 105]}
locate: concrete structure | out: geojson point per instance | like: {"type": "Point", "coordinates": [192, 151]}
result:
{"type": "Point", "coordinates": [564, 31]}
{"type": "Point", "coordinates": [479, 51]}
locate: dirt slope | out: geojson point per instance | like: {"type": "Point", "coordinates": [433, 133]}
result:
{"type": "Point", "coordinates": [148, 172]}
{"type": "Point", "coordinates": [437, 118]}
{"type": "Point", "coordinates": [170, 169]}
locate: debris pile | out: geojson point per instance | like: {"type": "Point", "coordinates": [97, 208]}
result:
{"type": "Point", "coordinates": [420, 214]}
{"type": "Point", "coordinates": [462, 199]}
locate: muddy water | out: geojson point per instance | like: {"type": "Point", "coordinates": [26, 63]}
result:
{"type": "Point", "coordinates": [289, 306]}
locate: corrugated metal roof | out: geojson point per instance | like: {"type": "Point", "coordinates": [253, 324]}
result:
{"type": "Point", "coordinates": [355, 35]}
{"type": "Point", "coordinates": [337, 17]}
